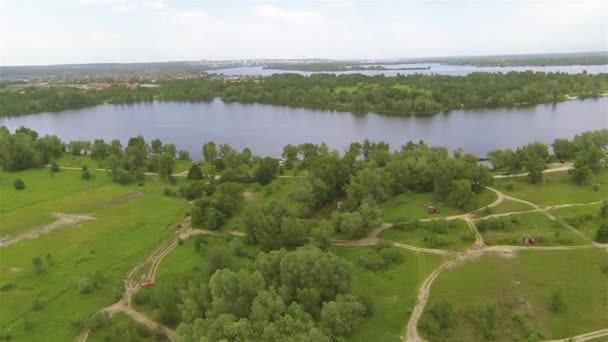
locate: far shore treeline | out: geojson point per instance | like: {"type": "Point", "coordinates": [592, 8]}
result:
{"type": "Point", "coordinates": [400, 95]}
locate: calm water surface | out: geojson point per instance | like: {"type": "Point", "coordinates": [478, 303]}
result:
{"type": "Point", "coordinates": [436, 68]}
{"type": "Point", "coordinates": [266, 129]}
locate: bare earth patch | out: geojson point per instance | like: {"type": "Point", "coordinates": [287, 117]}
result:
{"type": "Point", "coordinates": [126, 198]}
{"type": "Point", "coordinates": [61, 220]}
{"type": "Point", "coordinates": [248, 195]}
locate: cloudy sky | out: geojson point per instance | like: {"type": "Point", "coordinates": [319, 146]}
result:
{"type": "Point", "coordinates": [83, 31]}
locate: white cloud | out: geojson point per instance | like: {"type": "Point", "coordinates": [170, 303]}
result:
{"type": "Point", "coordinates": [288, 15]}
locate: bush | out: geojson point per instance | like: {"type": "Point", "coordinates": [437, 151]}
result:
{"type": "Point", "coordinates": [37, 305]}
{"type": "Point", "coordinates": [601, 235]}
{"type": "Point", "coordinates": [85, 286]}
{"type": "Point", "coordinates": [169, 192]}
{"type": "Point", "coordinates": [510, 185]}
{"type": "Point", "coordinates": [19, 184]}
{"type": "Point", "coordinates": [55, 167]}
{"type": "Point", "coordinates": [86, 175]}
{"type": "Point", "coordinates": [485, 319]}
{"type": "Point", "coordinates": [125, 178]}
{"type": "Point", "coordinates": [372, 261]}
{"type": "Point", "coordinates": [556, 301]}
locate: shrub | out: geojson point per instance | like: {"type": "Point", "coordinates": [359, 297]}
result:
{"type": "Point", "coordinates": [556, 301]}
{"type": "Point", "coordinates": [125, 178]}
{"type": "Point", "coordinates": [19, 184]}
{"type": "Point", "coordinates": [85, 286]}
{"type": "Point", "coordinates": [37, 305]}
{"type": "Point", "coordinates": [372, 261]}
{"type": "Point", "coordinates": [86, 175]}
{"type": "Point", "coordinates": [55, 167]}
{"type": "Point", "coordinates": [510, 185]}
{"type": "Point", "coordinates": [485, 319]}
{"type": "Point", "coordinates": [601, 235]}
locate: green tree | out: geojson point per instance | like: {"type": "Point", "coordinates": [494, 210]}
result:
{"type": "Point", "coordinates": [601, 235]}
{"type": "Point", "coordinates": [339, 317]}
{"type": "Point", "coordinates": [209, 152]}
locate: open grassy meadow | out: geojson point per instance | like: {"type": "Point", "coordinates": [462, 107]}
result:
{"type": "Point", "coordinates": [584, 218]}
{"type": "Point", "coordinates": [392, 292]}
{"type": "Point", "coordinates": [535, 295]}
{"type": "Point", "coordinates": [557, 188]}
{"type": "Point", "coordinates": [413, 206]}
{"type": "Point", "coordinates": [442, 234]}
{"type": "Point", "coordinates": [51, 285]}
{"type": "Point", "coordinates": [511, 229]}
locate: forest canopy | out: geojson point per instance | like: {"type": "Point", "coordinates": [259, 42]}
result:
{"type": "Point", "coordinates": [401, 95]}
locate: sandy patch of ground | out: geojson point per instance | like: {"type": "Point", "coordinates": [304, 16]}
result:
{"type": "Point", "coordinates": [61, 220]}
{"type": "Point", "coordinates": [248, 195]}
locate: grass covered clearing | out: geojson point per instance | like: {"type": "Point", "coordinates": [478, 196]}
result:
{"type": "Point", "coordinates": [413, 206]}
{"type": "Point", "coordinates": [453, 234]}
{"type": "Point", "coordinates": [392, 292]}
{"type": "Point", "coordinates": [506, 206]}
{"type": "Point", "coordinates": [525, 283]}
{"type": "Point", "coordinates": [101, 251]}
{"type": "Point", "coordinates": [257, 196]}
{"type": "Point", "coordinates": [511, 229]}
{"type": "Point", "coordinates": [41, 186]}
{"type": "Point", "coordinates": [584, 218]}
{"type": "Point", "coordinates": [185, 263]}
{"type": "Point", "coordinates": [121, 327]}
{"type": "Point", "coordinates": [557, 188]}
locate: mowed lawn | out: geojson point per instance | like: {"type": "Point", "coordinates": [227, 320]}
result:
{"type": "Point", "coordinates": [453, 234]}
{"type": "Point", "coordinates": [392, 292]}
{"type": "Point", "coordinates": [526, 283]}
{"type": "Point", "coordinates": [47, 305]}
{"type": "Point", "coordinates": [411, 206]}
{"type": "Point", "coordinates": [557, 188]}
{"type": "Point", "coordinates": [511, 229]}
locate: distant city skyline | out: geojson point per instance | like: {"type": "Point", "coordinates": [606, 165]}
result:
{"type": "Point", "coordinates": [122, 31]}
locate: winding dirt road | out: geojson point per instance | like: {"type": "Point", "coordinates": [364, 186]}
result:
{"type": "Point", "coordinates": [411, 329]}
{"type": "Point", "coordinates": [138, 275]}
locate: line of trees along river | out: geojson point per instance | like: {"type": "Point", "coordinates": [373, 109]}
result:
{"type": "Point", "coordinates": [401, 95]}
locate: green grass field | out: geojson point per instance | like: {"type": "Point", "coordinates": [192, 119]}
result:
{"type": "Point", "coordinates": [525, 283]}
{"type": "Point", "coordinates": [584, 218]}
{"type": "Point", "coordinates": [510, 230]}
{"type": "Point", "coordinates": [392, 292]}
{"type": "Point", "coordinates": [47, 305]}
{"type": "Point", "coordinates": [413, 206]}
{"type": "Point", "coordinates": [557, 188]}
{"type": "Point", "coordinates": [256, 196]}
{"type": "Point", "coordinates": [506, 206]}
{"type": "Point", "coordinates": [453, 235]}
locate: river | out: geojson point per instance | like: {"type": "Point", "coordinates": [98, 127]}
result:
{"type": "Point", "coordinates": [435, 68]}
{"type": "Point", "coordinates": [266, 128]}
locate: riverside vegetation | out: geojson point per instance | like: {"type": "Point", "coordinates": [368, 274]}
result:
{"type": "Point", "coordinates": [400, 95]}
{"type": "Point", "coordinates": [274, 254]}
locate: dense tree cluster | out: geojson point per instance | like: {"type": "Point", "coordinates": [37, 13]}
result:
{"type": "Point", "coordinates": [588, 152]}
{"type": "Point", "coordinates": [403, 94]}
{"type": "Point", "coordinates": [212, 210]}
{"type": "Point", "coordinates": [299, 295]}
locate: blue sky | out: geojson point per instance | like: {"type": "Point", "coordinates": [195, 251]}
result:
{"type": "Point", "coordinates": [84, 31]}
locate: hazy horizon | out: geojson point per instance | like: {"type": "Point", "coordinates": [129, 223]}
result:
{"type": "Point", "coordinates": [138, 31]}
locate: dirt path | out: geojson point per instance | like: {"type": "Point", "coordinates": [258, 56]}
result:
{"type": "Point", "coordinates": [411, 329]}
{"type": "Point", "coordinates": [585, 337]}
{"type": "Point", "coordinates": [61, 221]}
{"type": "Point", "coordinates": [138, 275]}
{"type": "Point", "coordinates": [564, 167]}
